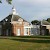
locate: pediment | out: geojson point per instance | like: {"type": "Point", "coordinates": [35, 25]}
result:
{"type": "Point", "coordinates": [20, 19]}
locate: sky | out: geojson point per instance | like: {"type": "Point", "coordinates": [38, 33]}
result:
{"type": "Point", "coordinates": [27, 9]}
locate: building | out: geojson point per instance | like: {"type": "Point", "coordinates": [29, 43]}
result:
{"type": "Point", "coordinates": [35, 30]}
{"type": "Point", "coordinates": [45, 28]}
{"type": "Point", "coordinates": [14, 25]}
{"type": "Point", "coordinates": [41, 29]}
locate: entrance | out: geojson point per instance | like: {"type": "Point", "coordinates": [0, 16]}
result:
{"type": "Point", "coordinates": [25, 31]}
{"type": "Point", "coordinates": [18, 32]}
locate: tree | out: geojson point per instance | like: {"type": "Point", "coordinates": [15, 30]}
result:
{"type": "Point", "coordinates": [35, 22]}
{"type": "Point", "coordinates": [8, 1]}
{"type": "Point", "coordinates": [48, 19]}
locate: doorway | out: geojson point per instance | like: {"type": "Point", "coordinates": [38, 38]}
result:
{"type": "Point", "coordinates": [18, 32]}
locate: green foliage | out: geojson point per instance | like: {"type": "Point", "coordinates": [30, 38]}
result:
{"type": "Point", "coordinates": [35, 22]}
{"type": "Point", "coordinates": [8, 1]}
{"type": "Point", "coordinates": [0, 1]}
{"type": "Point", "coordinates": [48, 19]}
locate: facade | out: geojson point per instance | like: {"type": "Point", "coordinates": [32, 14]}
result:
{"type": "Point", "coordinates": [35, 30]}
{"type": "Point", "coordinates": [14, 25]}
{"type": "Point", "coordinates": [42, 29]}
{"type": "Point", "coordinates": [45, 28]}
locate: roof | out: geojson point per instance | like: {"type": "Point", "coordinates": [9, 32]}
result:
{"type": "Point", "coordinates": [44, 22]}
{"type": "Point", "coordinates": [8, 17]}
{"type": "Point", "coordinates": [15, 18]}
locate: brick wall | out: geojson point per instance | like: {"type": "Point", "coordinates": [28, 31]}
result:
{"type": "Point", "coordinates": [16, 27]}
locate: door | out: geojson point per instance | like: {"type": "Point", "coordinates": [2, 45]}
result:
{"type": "Point", "coordinates": [25, 31]}
{"type": "Point", "coordinates": [18, 32]}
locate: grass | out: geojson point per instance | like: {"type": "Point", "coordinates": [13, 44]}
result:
{"type": "Point", "coordinates": [25, 43]}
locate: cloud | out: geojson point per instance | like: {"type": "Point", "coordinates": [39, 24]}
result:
{"type": "Point", "coordinates": [32, 9]}
{"type": "Point", "coordinates": [28, 9]}
{"type": "Point", "coordinates": [33, 1]}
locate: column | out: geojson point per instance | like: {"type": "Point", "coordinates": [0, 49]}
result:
{"type": "Point", "coordinates": [28, 31]}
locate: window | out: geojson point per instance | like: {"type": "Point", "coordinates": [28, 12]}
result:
{"type": "Point", "coordinates": [20, 19]}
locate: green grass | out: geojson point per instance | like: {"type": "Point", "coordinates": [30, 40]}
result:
{"type": "Point", "coordinates": [25, 43]}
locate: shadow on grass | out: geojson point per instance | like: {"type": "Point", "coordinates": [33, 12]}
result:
{"type": "Point", "coordinates": [5, 37]}
{"type": "Point", "coordinates": [43, 37]}
{"type": "Point", "coordinates": [32, 40]}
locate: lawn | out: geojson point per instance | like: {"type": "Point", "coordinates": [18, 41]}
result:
{"type": "Point", "coordinates": [25, 43]}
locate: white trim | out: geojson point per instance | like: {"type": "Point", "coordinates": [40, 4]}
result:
{"type": "Point", "coordinates": [25, 32]}
{"type": "Point", "coordinates": [27, 26]}
{"type": "Point", "coordinates": [18, 32]}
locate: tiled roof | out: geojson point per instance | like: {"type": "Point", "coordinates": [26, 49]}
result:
{"type": "Point", "coordinates": [15, 18]}
{"type": "Point", "coordinates": [8, 17]}
{"type": "Point", "coordinates": [44, 22]}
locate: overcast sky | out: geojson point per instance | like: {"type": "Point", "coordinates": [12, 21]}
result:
{"type": "Point", "coordinates": [27, 9]}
